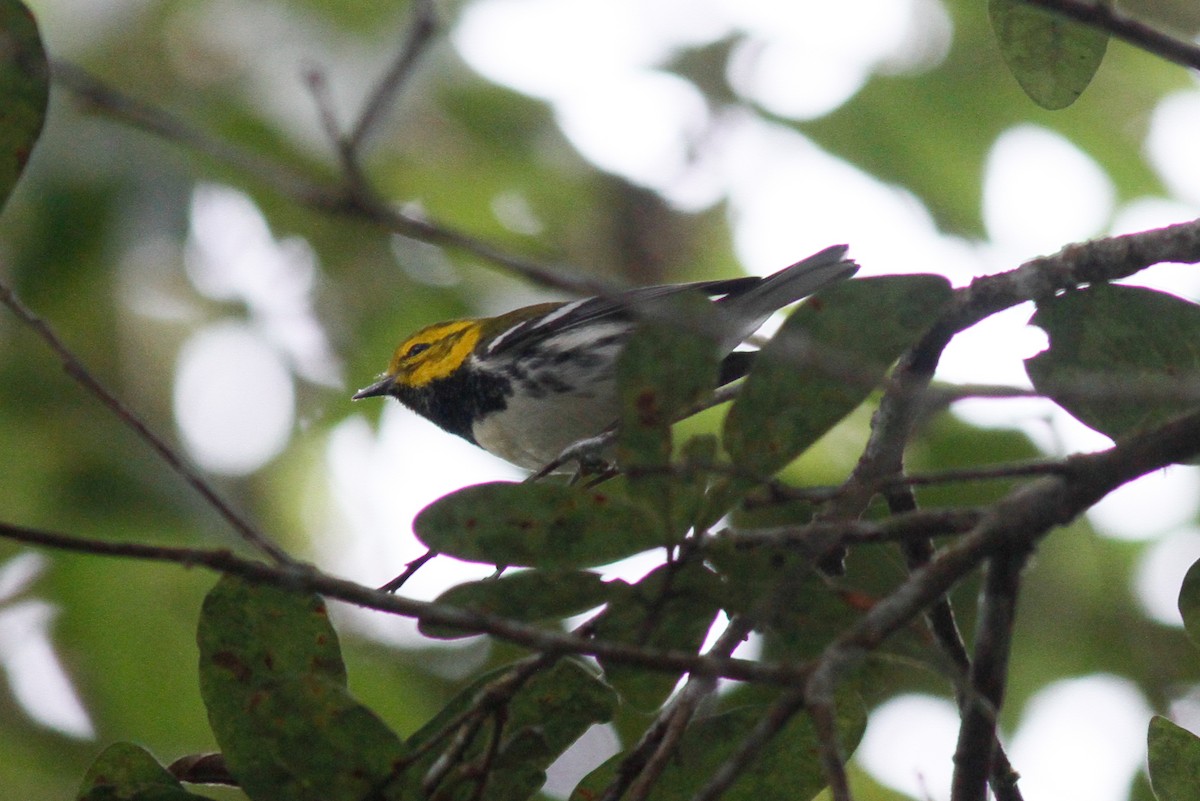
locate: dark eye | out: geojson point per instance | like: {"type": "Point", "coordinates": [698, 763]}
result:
{"type": "Point", "coordinates": [419, 347]}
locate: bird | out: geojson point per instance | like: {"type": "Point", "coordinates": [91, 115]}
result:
{"type": "Point", "coordinates": [527, 384]}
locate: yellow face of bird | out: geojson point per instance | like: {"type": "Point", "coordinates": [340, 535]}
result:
{"type": "Point", "coordinates": [434, 352]}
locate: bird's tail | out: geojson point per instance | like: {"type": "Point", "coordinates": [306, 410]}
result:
{"type": "Point", "coordinates": [751, 308]}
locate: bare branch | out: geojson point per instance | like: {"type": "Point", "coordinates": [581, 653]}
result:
{"type": "Point", "coordinates": [1016, 522]}
{"type": "Point", "coordinates": [813, 539]}
{"type": "Point", "coordinates": [348, 198]}
{"type": "Point", "coordinates": [977, 741]}
{"type": "Point", "coordinates": [1102, 16]}
{"type": "Point", "coordinates": [409, 571]}
{"type": "Point", "coordinates": [420, 35]}
{"type": "Point", "coordinates": [176, 462]}
{"type": "Point", "coordinates": [644, 764]}
{"type": "Point", "coordinates": [751, 746]}
{"type": "Point", "coordinates": [305, 578]}
{"type": "Point", "coordinates": [98, 96]}
{"type": "Point", "coordinates": [940, 619]}
{"type": "Point", "coordinates": [905, 394]}
{"type": "Point", "coordinates": [823, 711]}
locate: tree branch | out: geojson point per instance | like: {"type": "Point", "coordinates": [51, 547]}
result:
{"type": "Point", "coordinates": [1102, 16]}
{"type": "Point", "coordinates": [420, 35]}
{"type": "Point", "coordinates": [978, 744]}
{"type": "Point", "coordinates": [751, 746]}
{"type": "Point", "coordinates": [1016, 522]}
{"type": "Point", "coordinates": [940, 620]}
{"type": "Point", "coordinates": [646, 761]}
{"type": "Point", "coordinates": [177, 463]}
{"type": "Point", "coordinates": [1089, 262]}
{"type": "Point", "coordinates": [306, 578]}
{"type": "Point", "coordinates": [347, 198]}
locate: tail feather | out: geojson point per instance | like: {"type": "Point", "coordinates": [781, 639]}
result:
{"type": "Point", "coordinates": [752, 307]}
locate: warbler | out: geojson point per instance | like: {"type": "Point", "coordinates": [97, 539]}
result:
{"type": "Point", "coordinates": [527, 384]}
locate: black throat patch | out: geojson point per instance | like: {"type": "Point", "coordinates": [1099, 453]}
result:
{"type": "Point", "coordinates": [456, 401]}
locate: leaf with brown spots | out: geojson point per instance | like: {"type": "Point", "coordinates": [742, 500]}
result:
{"type": "Point", "coordinates": [535, 525]}
{"type": "Point", "coordinates": [666, 368]}
{"type": "Point", "coordinates": [273, 681]}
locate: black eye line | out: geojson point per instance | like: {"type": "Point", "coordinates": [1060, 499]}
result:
{"type": "Point", "coordinates": [418, 347]}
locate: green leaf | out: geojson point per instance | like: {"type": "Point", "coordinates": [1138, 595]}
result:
{"type": "Point", "coordinates": [24, 91]}
{"type": "Point", "coordinates": [252, 632]}
{"type": "Point", "coordinates": [306, 738]}
{"type": "Point", "coordinates": [699, 501]}
{"type": "Point", "coordinates": [531, 595]}
{"type": "Point", "coordinates": [1052, 57]}
{"type": "Point", "coordinates": [791, 602]}
{"type": "Point", "coordinates": [561, 703]}
{"type": "Point", "coordinates": [1174, 756]}
{"type": "Point", "coordinates": [272, 679]}
{"type": "Point", "coordinates": [537, 525]}
{"type": "Point", "coordinates": [972, 99]}
{"type": "Point", "coordinates": [1109, 336]}
{"type": "Point", "coordinates": [543, 718]}
{"type": "Point", "coordinates": [788, 768]}
{"type": "Point", "coordinates": [671, 608]}
{"type": "Point", "coordinates": [663, 371]}
{"type": "Point", "coordinates": [824, 362]}
{"type": "Point", "coordinates": [125, 772]}
{"type": "Point", "coordinates": [1189, 602]}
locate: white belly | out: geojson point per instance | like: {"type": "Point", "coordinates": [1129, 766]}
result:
{"type": "Point", "coordinates": [532, 432]}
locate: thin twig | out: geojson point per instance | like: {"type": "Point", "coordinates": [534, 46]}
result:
{"type": "Point", "coordinates": [977, 738]}
{"type": "Point", "coordinates": [100, 97]}
{"type": "Point", "coordinates": [464, 735]}
{"type": "Point", "coordinates": [484, 770]}
{"type": "Point", "coordinates": [1104, 17]}
{"type": "Point", "coordinates": [990, 472]}
{"type": "Point", "coordinates": [75, 368]}
{"type": "Point", "coordinates": [642, 767]}
{"type": "Point", "coordinates": [493, 695]}
{"type": "Point", "coordinates": [940, 619]}
{"type": "Point", "coordinates": [1099, 386]}
{"type": "Point", "coordinates": [420, 35]}
{"type": "Point", "coordinates": [822, 708]}
{"type": "Point", "coordinates": [337, 199]}
{"type": "Point", "coordinates": [318, 86]}
{"type": "Point", "coordinates": [812, 539]}
{"type": "Point", "coordinates": [778, 492]}
{"type": "Point", "coordinates": [1016, 522]}
{"type": "Point", "coordinates": [751, 746]}
{"type": "Point", "coordinates": [305, 578]}
{"type": "Point", "coordinates": [409, 571]}
{"type": "Point", "coordinates": [357, 188]}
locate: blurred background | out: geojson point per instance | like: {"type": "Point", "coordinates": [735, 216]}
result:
{"type": "Point", "coordinates": [639, 140]}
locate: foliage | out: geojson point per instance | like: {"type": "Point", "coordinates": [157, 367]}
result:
{"type": "Point", "coordinates": [1053, 58]}
{"type": "Point", "coordinates": [738, 516]}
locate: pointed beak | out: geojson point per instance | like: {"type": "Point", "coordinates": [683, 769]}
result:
{"type": "Point", "coordinates": [381, 387]}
